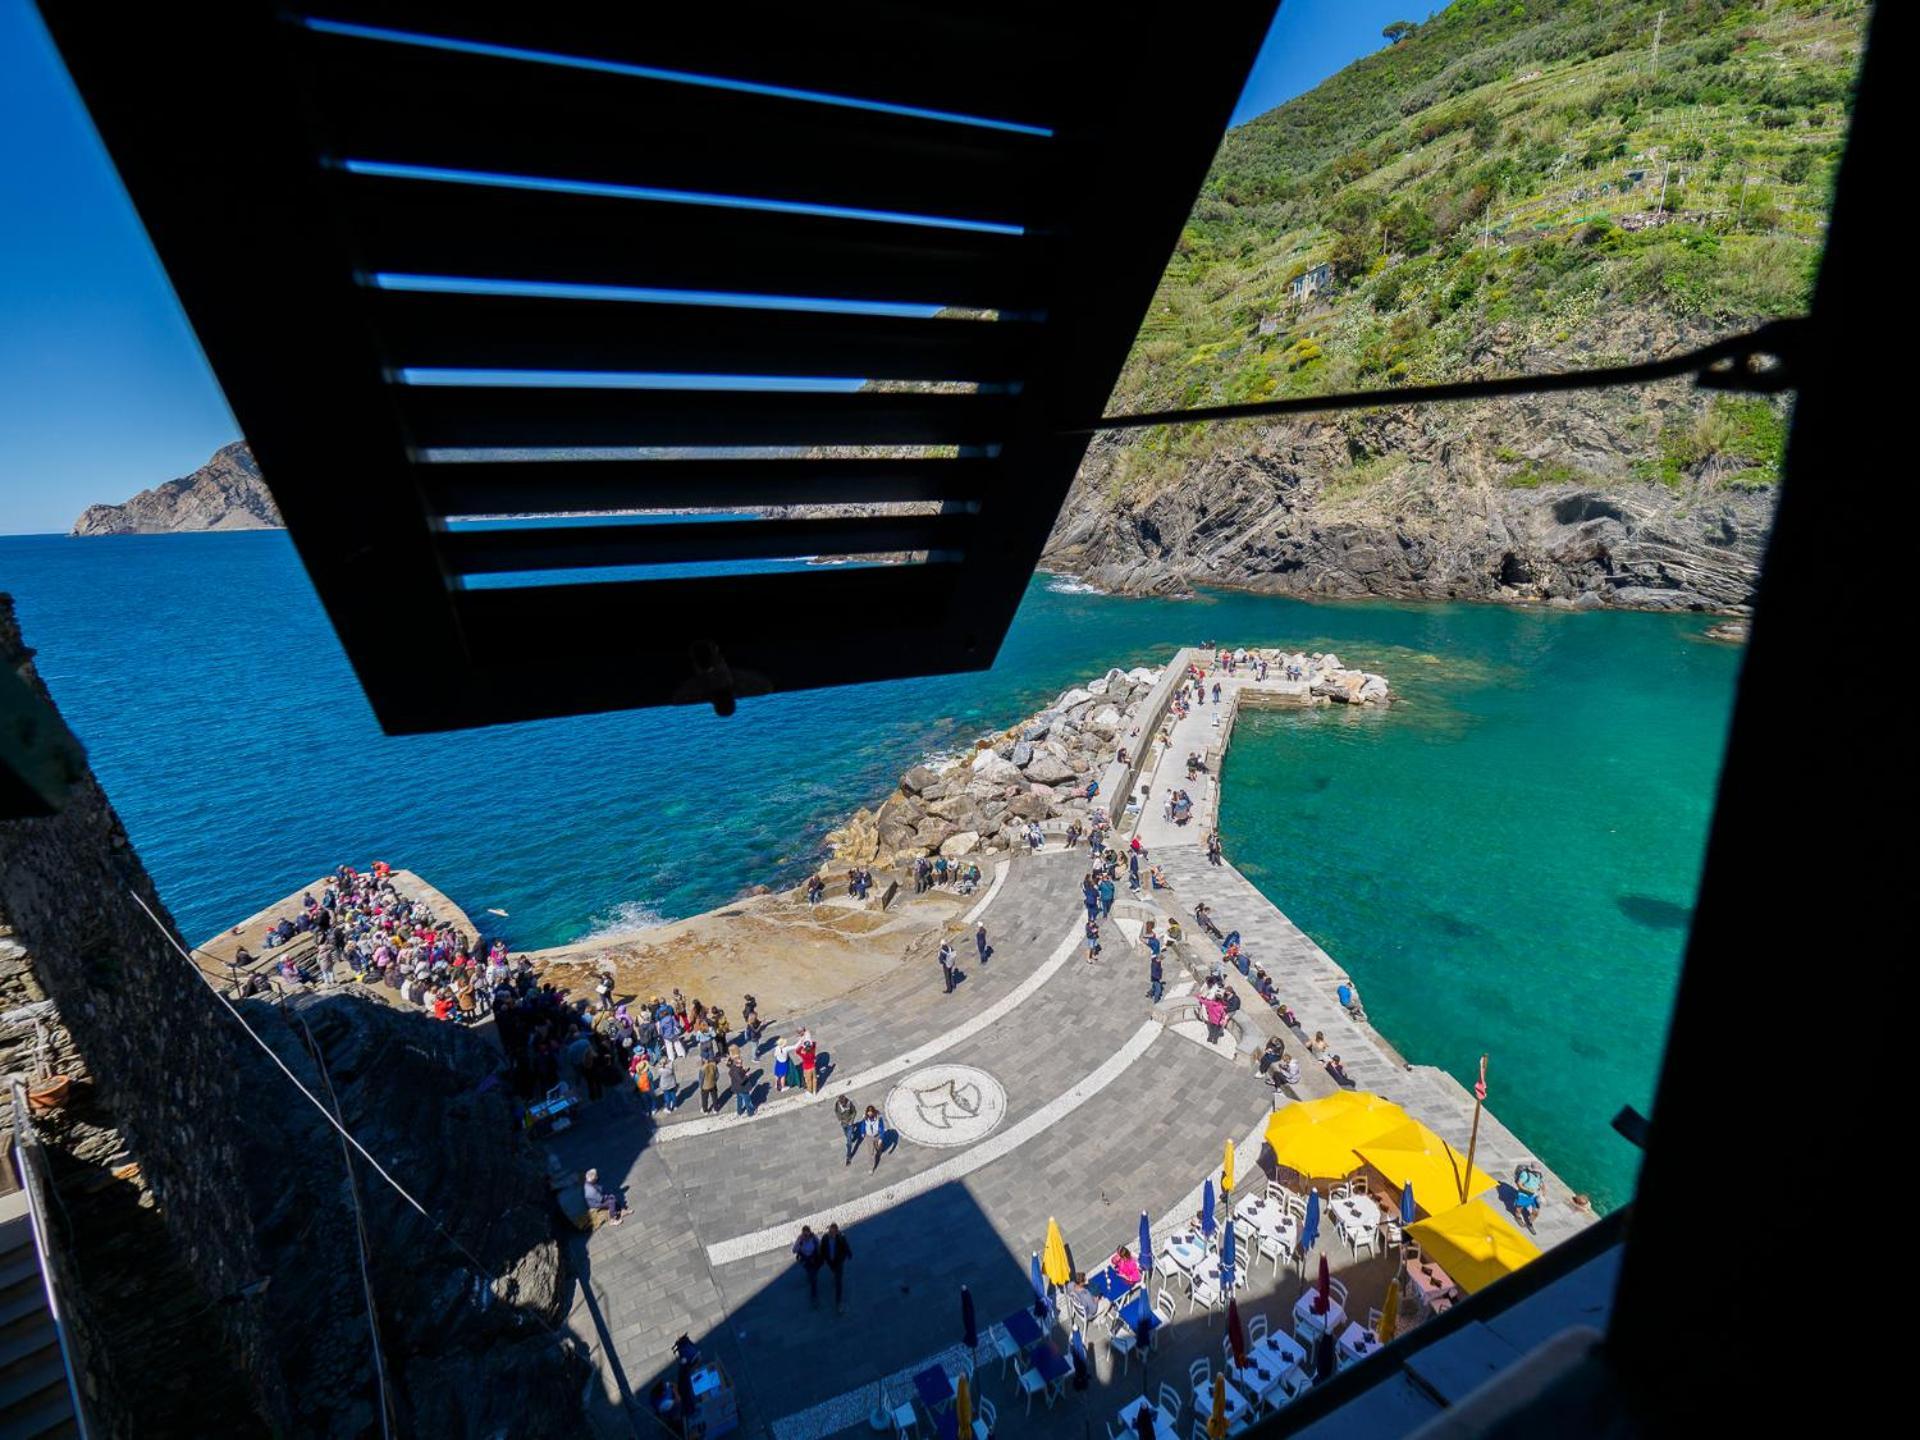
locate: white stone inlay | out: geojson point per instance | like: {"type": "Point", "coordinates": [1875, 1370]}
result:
{"type": "Point", "coordinates": [946, 1105]}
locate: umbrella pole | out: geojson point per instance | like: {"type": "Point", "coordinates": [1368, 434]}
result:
{"type": "Point", "coordinates": [1473, 1139]}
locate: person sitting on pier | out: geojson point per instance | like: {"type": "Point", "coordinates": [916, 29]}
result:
{"type": "Point", "coordinates": [602, 1199]}
{"type": "Point", "coordinates": [1125, 1266]}
{"type": "Point", "coordinates": [1317, 1047]}
{"type": "Point", "coordinates": [1174, 933]}
{"type": "Point", "coordinates": [1158, 878]}
{"type": "Point", "coordinates": [1269, 1057]}
{"type": "Point", "coordinates": [1349, 998]}
{"type": "Point", "coordinates": [1203, 917]}
{"type": "Point", "coordinates": [1339, 1073]}
{"type": "Point", "coordinates": [1287, 1017]}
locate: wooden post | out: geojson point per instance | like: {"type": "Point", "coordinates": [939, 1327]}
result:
{"type": "Point", "coordinates": [1473, 1140]}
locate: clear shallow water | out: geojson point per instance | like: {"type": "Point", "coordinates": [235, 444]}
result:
{"type": "Point", "coordinates": [1501, 862]}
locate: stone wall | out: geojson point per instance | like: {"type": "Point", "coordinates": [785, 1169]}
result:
{"type": "Point", "coordinates": [251, 1183]}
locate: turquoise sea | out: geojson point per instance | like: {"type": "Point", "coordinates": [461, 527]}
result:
{"type": "Point", "coordinates": [1505, 862]}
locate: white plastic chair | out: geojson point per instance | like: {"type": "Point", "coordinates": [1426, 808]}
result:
{"type": "Point", "coordinates": [985, 1419]}
{"type": "Point", "coordinates": [1170, 1405]}
{"type": "Point", "coordinates": [1205, 1295]}
{"type": "Point", "coordinates": [1121, 1342]}
{"type": "Point", "coordinates": [1339, 1192]}
{"type": "Point", "coordinates": [1257, 1328]}
{"type": "Point", "coordinates": [1005, 1348]}
{"type": "Point", "coordinates": [1276, 1252]}
{"type": "Point", "coordinates": [901, 1413]}
{"type": "Point", "coordinates": [1163, 1312]}
{"type": "Point", "coordinates": [1337, 1288]}
{"type": "Point", "coordinates": [1031, 1384]}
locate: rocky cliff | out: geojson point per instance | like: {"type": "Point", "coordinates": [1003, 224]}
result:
{"type": "Point", "coordinates": [1581, 499]}
{"type": "Point", "coordinates": [226, 493]}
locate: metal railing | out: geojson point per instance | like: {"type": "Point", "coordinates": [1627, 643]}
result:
{"type": "Point", "coordinates": [30, 1159]}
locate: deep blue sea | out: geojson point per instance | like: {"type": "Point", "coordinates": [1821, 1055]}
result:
{"type": "Point", "coordinates": [1505, 862]}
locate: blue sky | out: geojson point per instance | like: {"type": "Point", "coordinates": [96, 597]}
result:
{"type": "Point", "coordinates": [103, 390]}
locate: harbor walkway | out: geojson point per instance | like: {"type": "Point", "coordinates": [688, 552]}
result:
{"type": "Point", "coordinates": [1043, 1087]}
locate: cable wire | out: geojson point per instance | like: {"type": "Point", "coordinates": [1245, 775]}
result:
{"type": "Point", "coordinates": [1730, 364]}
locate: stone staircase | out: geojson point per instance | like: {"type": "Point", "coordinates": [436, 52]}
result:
{"type": "Point", "coordinates": [34, 1399]}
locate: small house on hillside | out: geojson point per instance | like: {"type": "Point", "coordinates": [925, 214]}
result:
{"type": "Point", "coordinates": [1310, 283]}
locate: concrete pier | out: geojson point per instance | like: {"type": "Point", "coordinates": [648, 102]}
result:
{"type": "Point", "coordinates": [216, 956]}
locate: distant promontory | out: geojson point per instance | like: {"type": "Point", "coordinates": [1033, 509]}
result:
{"type": "Point", "coordinates": [226, 493]}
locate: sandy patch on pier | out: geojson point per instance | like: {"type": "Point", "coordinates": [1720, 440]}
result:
{"type": "Point", "coordinates": [790, 955]}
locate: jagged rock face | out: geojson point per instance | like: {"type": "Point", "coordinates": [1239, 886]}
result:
{"type": "Point", "coordinates": [1423, 504]}
{"type": "Point", "coordinates": [226, 493]}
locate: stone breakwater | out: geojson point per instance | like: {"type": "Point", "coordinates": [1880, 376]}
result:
{"type": "Point", "coordinates": [1038, 771]}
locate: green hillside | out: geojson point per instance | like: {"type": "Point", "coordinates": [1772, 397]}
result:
{"type": "Point", "coordinates": [1490, 193]}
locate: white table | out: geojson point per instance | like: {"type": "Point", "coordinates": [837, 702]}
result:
{"type": "Point", "coordinates": [1129, 1418]}
{"type": "Point", "coordinates": [1356, 1343]}
{"type": "Point", "coordinates": [1272, 1222]}
{"type": "Point", "coordinates": [1238, 1410]}
{"type": "Point", "coordinates": [1357, 1214]}
{"type": "Point", "coordinates": [1184, 1250]}
{"type": "Point", "coordinates": [1304, 1318]}
{"type": "Point", "coordinates": [1279, 1356]}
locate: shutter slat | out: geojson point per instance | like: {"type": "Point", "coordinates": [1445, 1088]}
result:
{"type": "Point", "coordinates": [505, 332]}
{"type": "Point", "coordinates": [541, 417]}
{"type": "Point", "coordinates": [518, 486]}
{"type": "Point", "coordinates": [504, 551]}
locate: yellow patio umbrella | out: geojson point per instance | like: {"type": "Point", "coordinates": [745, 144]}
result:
{"type": "Point", "coordinates": [1053, 1256]}
{"type": "Point", "coordinates": [1411, 1153]}
{"type": "Point", "coordinates": [1226, 1170]}
{"type": "Point", "coordinates": [962, 1409]}
{"type": "Point", "coordinates": [1362, 1110]}
{"type": "Point", "coordinates": [1474, 1243]}
{"type": "Point", "coordinates": [1389, 1315]}
{"type": "Point", "coordinates": [1217, 1422]}
{"type": "Point", "coordinates": [1317, 1137]}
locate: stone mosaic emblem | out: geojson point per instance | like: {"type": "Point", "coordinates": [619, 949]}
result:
{"type": "Point", "coordinates": [945, 1105]}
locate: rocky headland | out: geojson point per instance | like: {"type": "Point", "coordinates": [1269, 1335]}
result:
{"type": "Point", "coordinates": [226, 493]}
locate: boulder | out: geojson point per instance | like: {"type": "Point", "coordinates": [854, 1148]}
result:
{"type": "Point", "coordinates": [932, 832]}
{"type": "Point", "coordinates": [1040, 726]}
{"type": "Point", "coordinates": [1096, 687]}
{"type": "Point", "coordinates": [1115, 678]}
{"type": "Point", "coordinates": [1031, 806]}
{"type": "Point", "coordinates": [1022, 754]}
{"type": "Point", "coordinates": [1105, 721]}
{"type": "Point", "coordinates": [996, 771]}
{"type": "Point", "coordinates": [1049, 769]}
{"type": "Point", "coordinates": [963, 843]}
{"type": "Point", "coordinates": [936, 792]}
{"type": "Point", "coordinates": [1073, 698]}
{"type": "Point", "coordinates": [917, 779]}
{"type": "Point", "coordinates": [1143, 676]}
{"type": "Point", "coordinates": [1045, 792]}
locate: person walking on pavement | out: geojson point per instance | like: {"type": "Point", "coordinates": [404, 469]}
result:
{"type": "Point", "coordinates": [980, 941]}
{"type": "Point", "coordinates": [806, 1250]}
{"type": "Point", "coordinates": [709, 1085]}
{"type": "Point", "coordinates": [946, 965]}
{"type": "Point", "coordinates": [849, 1119]}
{"type": "Point", "coordinates": [1156, 978]}
{"type": "Point", "coordinates": [1106, 896]}
{"type": "Point", "coordinates": [837, 1252]}
{"type": "Point", "coordinates": [875, 1131]}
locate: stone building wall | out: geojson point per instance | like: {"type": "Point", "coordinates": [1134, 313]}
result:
{"type": "Point", "coordinates": [243, 1216]}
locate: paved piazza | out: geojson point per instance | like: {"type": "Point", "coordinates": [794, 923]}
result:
{"type": "Point", "coordinates": [946, 1105]}
{"type": "Point", "coordinates": [1041, 1088]}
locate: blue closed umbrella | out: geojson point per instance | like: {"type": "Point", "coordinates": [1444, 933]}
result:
{"type": "Point", "coordinates": [1310, 1232]}
{"type": "Point", "coordinates": [1406, 1203]}
{"type": "Point", "coordinates": [1082, 1367]}
{"type": "Point", "coordinates": [1039, 1287]}
{"type": "Point", "coordinates": [968, 1328]}
{"type": "Point", "coordinates": [1146, 1246]}
{"type": "Point", "coordinates": [1206, 1208]}
{"type": "Point", "coordinates": [1226, 1261]}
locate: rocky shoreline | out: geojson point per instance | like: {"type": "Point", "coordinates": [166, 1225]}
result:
{"type": "Point", "coordinates": [1039, 770]}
